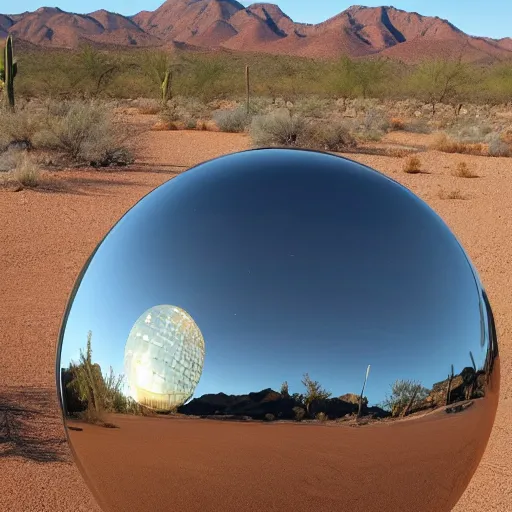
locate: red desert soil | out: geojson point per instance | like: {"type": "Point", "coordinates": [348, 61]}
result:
{"type": "Point", "coordinates": [46, 237]}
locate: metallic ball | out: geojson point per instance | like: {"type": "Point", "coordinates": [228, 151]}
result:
{"type": "Point", "coordinates": [279, 330]}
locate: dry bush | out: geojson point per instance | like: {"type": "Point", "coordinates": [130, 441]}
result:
{"type": "Point", "coordinates": [26, 172]}
{"type": "Point", "coordinates": [462, 171]}
{"type": "Point", "coordinates": [163, 126]}
{"type": "Point", "coordinates": [86, 134]}
{"type": "Point", "coordinates": [497, 146]}
{"type": "Point", "coordinates": [299, 413]}
{"type": "Point", "coordinates": [232, 121]}
{"type": "Point", "coordinates": [9, 159]}
{"type": "Point", "coordinates": [446, 145]}
{"type": "Point", "coordinates": [21, 127]}
{"type": "Point", "coordinates": [374, 126]}
{"type": "Point", "coordinates": [169, 114]}
{"type": "Point", "coordinates": [191, 123]}
{"type": "Point", "coordinates": [399, 152]}
{"type": "Point", "coordinates": [278, 128]}
{"type": "Point", "coordinates": [192, 107]}
{"type": "Point", "coordinates": [311, 107]}
{"type": "Point", "coordinates": [453, 194]}
{"type": "Point", "coordinates": [506, 136]}
{"type": "Point", "coordinates": [322, 417]}
{"type": "Point", "coordinates": [469, 131]}
{"type": "Point", "coordinates": [412, 165]}
{"type": "Point", "coordinates": [147, 106]}
{"type": "Point", "coordinates": [328, 137]}
{"type": "Point", "coordinates": [202, 125]}
{"type": "Point", "coordinates": [397, 124]}
{"type": "Point", "coordinates": [418, 126]}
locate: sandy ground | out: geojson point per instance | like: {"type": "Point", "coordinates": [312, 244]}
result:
{"type": "Point", "coordinates": [46, 237]}
{"type": "Point", "coordinates": [199, 465]}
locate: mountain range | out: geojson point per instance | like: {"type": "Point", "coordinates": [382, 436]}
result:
{"type": "Point", "coordinates": [261, 27]}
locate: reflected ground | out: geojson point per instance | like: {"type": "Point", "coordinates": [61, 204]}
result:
{"type": "Point", "coordinates": [282, 275]}
{"type": "Point", "coordinates": [414, 464]}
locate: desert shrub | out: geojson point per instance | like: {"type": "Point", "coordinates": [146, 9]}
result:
{"type": "Point", "coordinates": [321, 416]}
{"type": "Point", "coordinates": [232, 121]}
{"type": "Point", "coordinates": [498, 147]}
{"type": "Point", "coordinates": [280, 128]}
{"type": "Point", "coordinates": [311, 107]}
{"type": "Point", "coordinates": [169, 114]}
{"type": "Point", "coordinates": [149, 106]}
{"type": "Point", "coordinates": [269, 417]}
{"type": "Point", "coordinates": [506, 136]}
{"type": "Point", "coordinates": [192, 107]}
{"type": "Point", "coordinates": [397, 124]}
{"type": "Point", "coordinates": [277, 129]}
{"type": "Point", "coordinates": [86, 134]}
{"type": "Point", "coordinates": [22, 126]}
{"type": "Point", "coordinates": [191, 123]}
{"type": "Point", "coordinates": [462, 171]}
{"type": "Point", "coordinates": [452, 194]}
{"type": "Point", "coordinates": [398, 152]}
{"type": "Point", "coordinates": [328, 137]}
{"type": "Point", "coordinates": [412, 165]}
{"type": "Point", "coordinates": [376, 120]}
{"type": "Point", "coordinates": [446, 145]}
{"type": "Point", "coordinates": [417, 126]}
{"type": "Point", "coordinates": [26, 171]}
{"type": "Point", "coordinates": [299, 413]}
{"type": "Point", "coordinates": [469, 132]}
{"type": "Point", "coordinates": [9, 159]}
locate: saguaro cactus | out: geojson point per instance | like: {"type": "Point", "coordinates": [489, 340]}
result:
{"type": "Point", "coordinates": [10, 71]}
{"type": "Point", "coordinates": [167, 87]}
{"type": "Point", "coordinates": [247, 90]}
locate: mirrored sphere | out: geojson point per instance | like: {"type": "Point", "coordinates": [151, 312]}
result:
{"type": "Point", "coordinates": [163, 358]}
{"type": "Point", "coordinates": [278, 330]}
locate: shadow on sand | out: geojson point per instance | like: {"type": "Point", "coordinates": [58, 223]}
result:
{"type": "Point", "coordinates": [31, 426]}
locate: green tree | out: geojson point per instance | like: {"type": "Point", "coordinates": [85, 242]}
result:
{"type": "Point", "coordinates": [404, 395]}
{"type": "Point", "coordinates": [87, 381]}
{"type": "Point", "coordinates": [97, 69]}
{"type": "Point", "coordinates": [284, 389]}
{"type": "Point", "coordinates": [362, 78]}
{"type": "Point", "coordinates": [314, 391]}
{"type": "Point", "coordinates": [439, 81]}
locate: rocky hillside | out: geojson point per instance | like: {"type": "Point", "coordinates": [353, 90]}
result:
{"type": "Point", "coordinates": [261, 27]}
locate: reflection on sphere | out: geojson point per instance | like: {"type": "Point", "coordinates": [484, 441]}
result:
{"type": "Point", "coordinates": [164, 357]}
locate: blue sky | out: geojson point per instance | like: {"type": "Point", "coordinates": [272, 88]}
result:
{"type": "Point", "coordinates": [285, 275]}
{"type": "Point", "coordinates": [490, 18]}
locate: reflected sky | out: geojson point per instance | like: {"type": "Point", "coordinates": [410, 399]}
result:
{"type": "Point", "coordinates": [288, 262]}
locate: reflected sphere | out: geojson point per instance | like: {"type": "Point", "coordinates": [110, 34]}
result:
{"type": "Point", "coordinates": [281, 330]}
{"type": "Point", "coordinates": [163, 358]}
